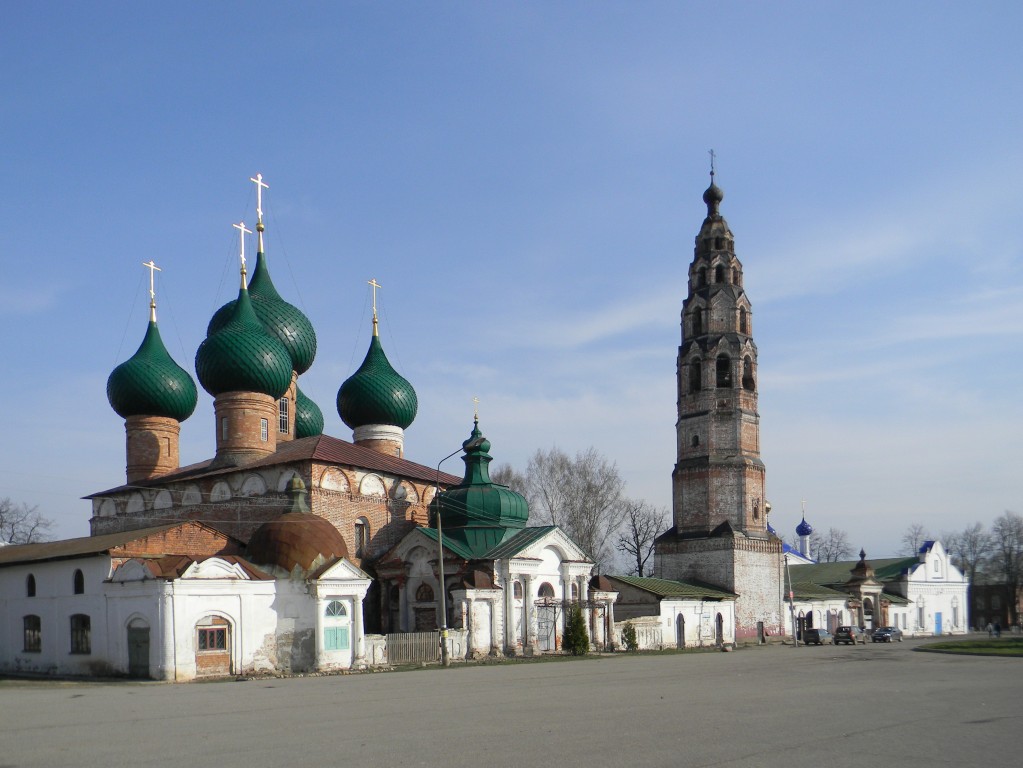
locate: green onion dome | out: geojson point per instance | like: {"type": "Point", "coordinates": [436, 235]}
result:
{"type": "Point", "coordinates": [308, 416]}
{"type": "Point", "coordinates": [283, 320]}
{"type": "Point", "coordinates": [478, 501]}
{"type": "Point", "coordinates": [376, 393]}
{"type": "Point", "coordinates": [150, 383]}
{"type": "Point", "coordinates": [242, 357]}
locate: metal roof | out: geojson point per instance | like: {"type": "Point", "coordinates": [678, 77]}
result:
{"type": "Point", "coordinates": [668, 588]}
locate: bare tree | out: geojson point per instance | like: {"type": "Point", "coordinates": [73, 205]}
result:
{"type": "Point", "coordinates": [969, 549]}
{"type": "Point", "coordinates": [1007, 557]}
{"type": "Point", "coordinates": [505, 474]}
{"type": "Point", "coordinates": [643, 523]}
{"type": "Point", "coordinates": [830, 547]}
{"type": "Point", "coordinates": [913, 539]}
{"type": "Point", "coordinates": [22, 524]}
{"type": "Point", "coordinates": [581, 495]}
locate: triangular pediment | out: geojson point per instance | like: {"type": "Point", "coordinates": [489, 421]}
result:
{"type": "Point", "coordinates": [343, 569]}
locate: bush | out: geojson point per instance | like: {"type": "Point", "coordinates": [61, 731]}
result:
{"type": "Point", "coordinates": [629, 637]}
{"type": "Point", "coordinates": [577, 641]}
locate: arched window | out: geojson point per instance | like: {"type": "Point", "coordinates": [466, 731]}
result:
{"type": "Point", "coordinates": [361, 537]}
{"type": "Point", "coordinates": [33, 634]}
{"type": "Point", "coordinates": [743, 324]}
{"type": "Point", "coordinates": [697, 322]}
{"type": "Point", "coordinates": [546, 590]}
{"type": "Point", "coordinates": [719, 274]}
{"type": "Point", "coordinates": [736, 278]}
{"type": "Point", "coordinates": [719, 243]}
{"type": "Point", "coordinates": [424, 594]}
{"type": "Point", "coordinates": [575, 591]}
{"type": "Point", "coordinates": [747, 375]}
{"type": "Point", "coordinates": [79, 582]}
{"type": "Point", "coordinates": [518, 590]}
{"type": "Point", "coordinates": [701, 279]}
{"type": "Point", "coordinates": [335, 610]}
{"type": "Point", "coordinates": [81, 633]}
{"type": "Point", "coordinates": [724, 372]}
{"type": "Point", "coordinates": [695, 376]}
{"type": "Point", "coordinates": [30, 586]}
{"type": "Point", "coordinates": [696, 441]}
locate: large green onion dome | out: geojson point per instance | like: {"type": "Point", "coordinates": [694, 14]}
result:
{"type": "Point", "coordinates": [283, 320]}
{"type": "Point", "coordinates": [150, 383]}
{"type": "Point", "coordinates": [376, 393]}
{"type": "Point", "coordinates": [308, 416]}
{"type": "Point", "coordinates": [242, 357]}
{"type": "Point", "coordinates": [296, 539]}
{"type": "Point", "coordinates": [478, 502]}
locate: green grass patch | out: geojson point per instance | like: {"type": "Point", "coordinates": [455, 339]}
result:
{"type": "Point", "coordinates": [1009, 646]}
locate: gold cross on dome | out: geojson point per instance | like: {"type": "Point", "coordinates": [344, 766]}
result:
{"type": "Point", "coordinates": [260, 186]}
{"type": "Point", "coordinates": [153, 269]}
{"type": "Point", "coordinates": [242, 231]}
{"type": "Point", "coordinates": [375, 285]}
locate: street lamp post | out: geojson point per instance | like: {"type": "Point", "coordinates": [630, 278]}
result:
{"type": "Point", "coordinates": [444, 657]}
{"type": "Point", "coordinates": [792, 604]}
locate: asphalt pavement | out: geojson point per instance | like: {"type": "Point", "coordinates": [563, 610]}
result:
{"type": "Point", "coordinates": [874, 704]}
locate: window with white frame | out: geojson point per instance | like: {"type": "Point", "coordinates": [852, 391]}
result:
{"type": "Point", "coordinates": [284, 416]}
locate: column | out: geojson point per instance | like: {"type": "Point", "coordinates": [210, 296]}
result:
{"type": "Point", "coordinates": [528, 632]}
{"type": "Point", "coordinates": [318, 640]}
{"type": "Point", "coordinates": [509, 614]}
{"type": "Point", "coordinates": [495, 611]}
{"type": "Point", "coordinates": [358, 633]}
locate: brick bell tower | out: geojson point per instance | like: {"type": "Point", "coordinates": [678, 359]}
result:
{"type": "Point", "coordinates": [720, 534]}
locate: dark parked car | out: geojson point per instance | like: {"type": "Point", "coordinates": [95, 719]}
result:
{"type": "Point", "coordinates": [850, 635]}
{"type": "Point", "coordinates": [886, 634]}
{"type": "Point", "coordinates": [816, 636]}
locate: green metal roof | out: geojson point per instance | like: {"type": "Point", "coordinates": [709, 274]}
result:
{"type": "Point", "coordinates": [807, 590]}
{"type": "Point", "coordinates": [478, 502]}
{"type": "Point", "coordinates": [242, 356]}
{"type": "Point", "coordinates": [452, 545]}
{"type": "Point", "coordinates": [886, 569]}
{"type": "Point", "coordinates": [376, 393]}
{"type": "Point", "coordinates": [150, 383]}
{"type": "Point", "coordinates": [284, 321]}
{"type": "Point", "coordinates": [520, 541]}
{"type": "Point", "coordinates": [677, 589]}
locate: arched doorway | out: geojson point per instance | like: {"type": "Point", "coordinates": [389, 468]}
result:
{"type": "Point", "coordinates": [680, 631]}
{"type": "Point", "coordinates": [719, 630]}
{"type": "Point", "coordinates": [546, 618]}
{"type": "Point", "coordinates": [868, 613]}
{"type": "Point", "coordinates": [138, 648]}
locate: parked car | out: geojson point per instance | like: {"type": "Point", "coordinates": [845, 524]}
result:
{"type": "Point", "coordinates": [850, 635]}
{"type": "Point", "coordinates": [886, 634]}
{"type": "Point", "coordinates": [816, 637]}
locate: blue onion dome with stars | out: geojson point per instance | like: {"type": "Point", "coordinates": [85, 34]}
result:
{"type": "Point", "coordinates": [308, 416]}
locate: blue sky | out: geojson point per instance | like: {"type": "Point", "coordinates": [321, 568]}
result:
{"type": "Point", "coordinates": [524, 180]}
